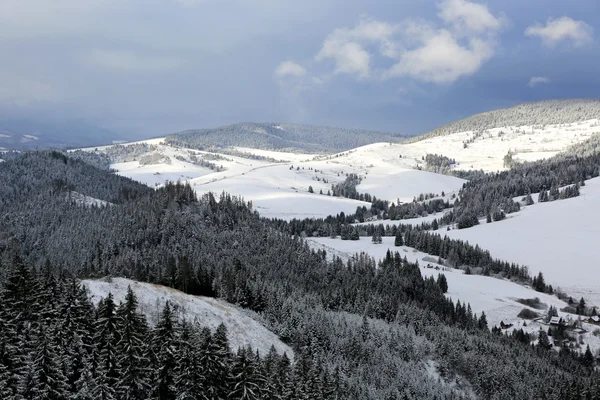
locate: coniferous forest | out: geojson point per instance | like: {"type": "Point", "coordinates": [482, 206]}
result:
{"type": "Point", "coordinates": [359, 330]}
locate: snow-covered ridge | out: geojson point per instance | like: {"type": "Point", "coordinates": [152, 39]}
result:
{"type": "Point", "coordinates": [243, 329]}
{"type": "Point", "coordinates": [548, 112]}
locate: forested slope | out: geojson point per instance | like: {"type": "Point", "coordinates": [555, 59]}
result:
{"type": "Point", "coordinates": [288, 137]}
{"type": "Point", "coordinates": [378, 328]}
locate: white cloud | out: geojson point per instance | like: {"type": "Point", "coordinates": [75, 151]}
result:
{"type": "Point", "coordinates": [347, 48]}
{"type": "Point", "coordinates": [441, 59]}
{"type": "Point", "coordinates": [562, 29]}
{"type": "Point", "coordinates": [536, 80]}
{"type": "Point", "coordinates": [467, 17]}
{"type": "Point", "coordinates": [420, 49]}
{"type": "Point", "coordinates": [289, 68]}
{"type": "Point", "coordinates": [129, 61]}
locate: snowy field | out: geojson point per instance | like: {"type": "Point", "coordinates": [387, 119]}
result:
{"type": "Point", "coordinates": [496, 297]}
{"type": "Point", "coordinates": [557, 238]}
{"type": "Point", "coordinates": [281, 190]}
{"type": "Point", "coordinates": [527, 143]}
{"type": "Point", "coordinates": [243, 330]}
{"type": "Point", "coordinates": [388, 170]}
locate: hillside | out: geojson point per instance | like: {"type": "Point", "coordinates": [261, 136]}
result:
{"type": "Point", "coordinates": [210, 312]}
{"type": "Point", "coordinates": [279, 183]}
{"type": "Point", "coordinates": [549, 112]}
{"type": "Point", "coordinates": [39, 134]}
{"type": "Point", "coordinates": [274, 136]}
{"type": "Point", "coordinates": [555, 238]}
{"type": "Point", "coordinates": [384, 327]}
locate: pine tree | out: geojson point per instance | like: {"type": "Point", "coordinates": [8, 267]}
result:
{"type": "Point", "coordinates": [49, 381]}
{"type": "Point", "coordinates": [398, 240]}
{"type": "Point", "coordinates": [588, 357]}
{"type": "Point", "coordinates": [482, 322]}
{"type": "Point", "coordinates": [189, 374]}
{"type": "Point", "coordinates": [216, 361]}
{"type": "Point", "coordinates": [107, 370]}
{"type": "Point", "coordinates": [442, 283]}
{"type": "Point", "coordinates": [247, 382]}
{"type": "Point", "coordinates": [86, 387]}
{"type": "Point", "coordinates": [134, 380]}
{"type": "Point", "coordinates": [164, 348]}
{"type": "Point", "coordinates": [543, 341]}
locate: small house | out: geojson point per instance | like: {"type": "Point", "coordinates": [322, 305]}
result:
{"type": "Point", "coordinates": [593, 320]}
{"type": "Point", "coordinates": [556, 321]}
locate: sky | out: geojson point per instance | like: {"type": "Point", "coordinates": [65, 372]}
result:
{"type": "Point", "coordinates": [151, 67]}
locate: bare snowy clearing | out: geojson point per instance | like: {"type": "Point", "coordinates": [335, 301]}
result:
{"type": "Point", "coordinates": [210, 312]}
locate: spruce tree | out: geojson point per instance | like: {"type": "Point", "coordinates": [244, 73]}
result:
{"type": "Point", "coordinates": [49, 381]}
{"type": "Point", "coordinates": [107, 370]}
{"type": "Point", "coordinates": [134, 379]}
{"type": "Point", "coordinates": [216, 361]}
{"type": "Point", "coordinates": [164, 348]}
{"type": "Point", "coordinates": [247, 382]}
{"type": "Point", "coordinates": [398, 239]}
{"type": "Point", "coordinates": [190, 377]}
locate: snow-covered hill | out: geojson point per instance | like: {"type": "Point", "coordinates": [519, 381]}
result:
{"type": "Point", "coordinates": [558, 238]}
{"type": "Point", "coordinates": [243, 329]}
{"type": "Point", "coordinates": [281, 189]}
{"type": "Point", "coordinates": [548, 112]}
{"type": "Point", "coordinates": [498, 298]}
{"type": "Point", "coordinates": [279, 136]}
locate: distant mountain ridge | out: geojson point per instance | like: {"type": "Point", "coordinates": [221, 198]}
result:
{"type": "Point", "coordinates": [547, 112]}
{"type": "Point", "coordinates": [37, 134]}
{"type": "Point", "coordinates": [279, 136]}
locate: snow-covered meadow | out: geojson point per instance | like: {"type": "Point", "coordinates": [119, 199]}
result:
{"type": "Point", "coordinates": [557, 238]}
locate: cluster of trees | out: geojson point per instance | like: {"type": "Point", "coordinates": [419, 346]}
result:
{"type": "Point", "coordinates": [201, 162]}
{"type": "Point", "coordinates": [555, 194]}
{"type": "Point", "coordinates": [154, 158]}
{"type": "Point", "coordinates": [376, 324]}
{"type": "Point", "coordinates": [54, 344]}
{"type": "Point", "coordinates": [217, 150]}
{"type": "Point", "coordinates": [438, 163]}
{"type": "Point", "coordinates": [347, 188]}
{"type": "Point", "coordinates": [485, 193]}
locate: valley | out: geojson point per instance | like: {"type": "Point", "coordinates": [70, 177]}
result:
{"type": "Point", "coordinates": [261, 245]}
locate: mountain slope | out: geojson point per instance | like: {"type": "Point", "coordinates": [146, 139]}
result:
{"type": "Point", "coordinates": [549, 112]}
{"type": "Point", "coordinates": [281, 137]}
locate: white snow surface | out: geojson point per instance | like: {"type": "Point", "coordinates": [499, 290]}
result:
{"type": "Point", "coordinates": [558, 238]}
{"type": "Point", "coordinates": [281, 190]}
{"type": "Point", "coordinates": [242, 329]}
{"type": "Point", "coordinates": [388, 170]}
{"type": "Point", "coordinates": [526, 143]}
